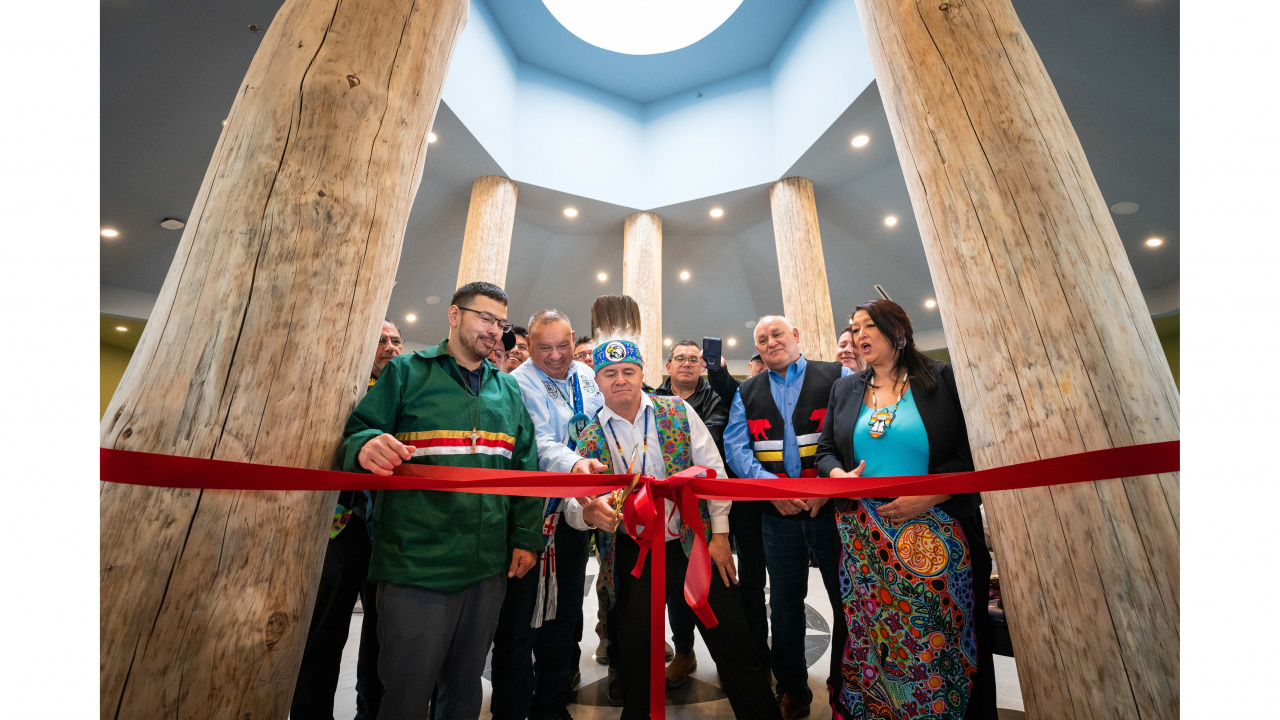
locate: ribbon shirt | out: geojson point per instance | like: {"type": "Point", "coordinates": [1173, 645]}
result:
{"type": "Point", "coordinates": [737, 440]}
{"type": "Point", "coordinates": [550, 404]}
{"type": "Point", "coordinates": [630, 434]}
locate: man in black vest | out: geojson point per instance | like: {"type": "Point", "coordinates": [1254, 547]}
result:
{"type": "Point", "coordinates": [773, 432]}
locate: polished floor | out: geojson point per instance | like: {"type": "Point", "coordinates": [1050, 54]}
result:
{"type": "Point", "coordinates": [701, 697]}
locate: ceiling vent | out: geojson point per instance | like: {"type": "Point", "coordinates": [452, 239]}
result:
{"type": "Point", "coordinates": [883, 294]}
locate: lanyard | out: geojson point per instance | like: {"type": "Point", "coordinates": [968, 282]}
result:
{"type": "Point", "coordinates": [644, 453]}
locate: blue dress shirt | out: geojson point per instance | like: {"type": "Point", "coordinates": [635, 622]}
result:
{"type": "Point", "coordinates": [737, 440]}
{"type": "Point", "coordinates": [549, 403]}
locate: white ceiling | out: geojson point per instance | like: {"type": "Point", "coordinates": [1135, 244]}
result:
{"type": "Point", "coordinates": [170, 70]}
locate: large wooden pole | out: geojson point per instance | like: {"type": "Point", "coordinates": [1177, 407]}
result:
{"type": "Point", "coordinates": [486, 243]}
{"type": "Point", "coordinates": [257, 350]}
{"type": "Point", "coordinates": [642, 280]}
{"type": "Point", "coordinates": [806, 296]}
{"type": "Point", "coordinates": [1054, 352]}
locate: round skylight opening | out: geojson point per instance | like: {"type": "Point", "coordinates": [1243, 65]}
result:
{"type": "Point", "coordinates": [641, 27]}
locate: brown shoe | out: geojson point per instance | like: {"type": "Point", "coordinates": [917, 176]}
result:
{"type": "Point", "coordinates": [680, 668]}
{"type": "Point", "coordinates": [790, 707]}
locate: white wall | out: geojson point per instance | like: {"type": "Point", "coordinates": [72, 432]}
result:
{"type": "Point", "coordinates": [819, 71]}
{"type": "Point", "coordinates": [577, 139]}
{"type": "Point", "coordinates": [696, 147]}
{"type": "Point", "coordinates": [545, 129]}
{"type": "Point", "coordinates": [481, 85]}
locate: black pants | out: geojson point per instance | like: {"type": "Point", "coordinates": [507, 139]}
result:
{"type": "Point", "coordinates": [744, 529]}
{"type": "Point", "coordinates": [744, 675]}
{"type": "Point", "coordinates": [342, 580]}
{"type": "Point", "coordinates": [531, 667]}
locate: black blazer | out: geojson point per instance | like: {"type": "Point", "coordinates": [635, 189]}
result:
{"type": "Point", "coordinates": [943, 423]}
{"type": "Point", "coordinates": [948, 452]}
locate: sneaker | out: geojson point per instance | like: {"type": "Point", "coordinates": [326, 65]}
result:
{"type": "Point", "coordinates": [682, 665]}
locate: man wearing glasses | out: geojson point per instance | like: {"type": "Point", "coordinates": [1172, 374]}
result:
{"type": "Point", "coordinates": [389, 346]}
{"type": "Point", "coordinates": [582, 350]}
{"type": "Point", "coordinates": [342, 580]}
{"type": "Point", "coordinates": [684, 379]}
{"type": "Point", "coordinates": [441, 560]}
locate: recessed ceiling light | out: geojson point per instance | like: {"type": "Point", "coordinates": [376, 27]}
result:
{"type": "Point", "coordinates": [431, 137]}
{"type": "Point", "coordinates": [1155, 242]}
{"type": "Point", "coordinates": [121, 328]}
{"type": "Point", "coordinates": [860, 140]}
{"type": "Point", "coordinates": [411, 317]}
{"type": "Point", "coordinates": [891, 220]}
{"type": "Point", "coordinates": [641, 27]}
{"type": "Point", "coordinates": [717, 212]}
{"type": "Point", "coordinates": [684, 274]}
{"type": "Point", "coordinates": [571, 212]}
{"type": "Point", "coordinates": [602, 276]}
{"type": "Point", "coordinates": [433, 299]}
{"type": "Point", "coordinates": [1124, 208]}
{"type": "Point", "coordinates": [931, 303]}
{"type": "Point", "coordinates": [172, 224]}
{"type": "Point", "coordinates": [732, 341]}
{"type": "Point", "coordinates": [108, 232]}
{"type": "Point", "coordinates": [666, 341]}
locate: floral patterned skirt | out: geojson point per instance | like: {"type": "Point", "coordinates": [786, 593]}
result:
{"type": "Point", "coordinates": [907, 591]}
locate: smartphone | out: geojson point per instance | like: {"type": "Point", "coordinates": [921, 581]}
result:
{"type": "Point", "coordinates": [711, 351]}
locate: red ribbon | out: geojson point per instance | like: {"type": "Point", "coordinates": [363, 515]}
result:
{"type": "Point", "coordinates": [684, 489]}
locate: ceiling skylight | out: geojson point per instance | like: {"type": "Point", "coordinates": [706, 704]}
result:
{"type": "Point", "coordinates": [641, 27]}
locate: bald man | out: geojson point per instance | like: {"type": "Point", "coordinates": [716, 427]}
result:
{"type": "Point", "coordinates": [773, 429]}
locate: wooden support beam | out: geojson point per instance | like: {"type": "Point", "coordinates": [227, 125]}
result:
{"type": "Point", "coordinates": [806, 296]}
{"type": "Point", "coordinates": [257, 350]}
{"type": "Point", "coordinates": [1055, 352]}
{"type": "Point", "coordinates": [642, 280]}
{"type": "Point", "coordinates": [486, 243]}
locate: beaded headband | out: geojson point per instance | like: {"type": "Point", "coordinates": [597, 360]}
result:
{"type": "Point", "coordinates": [616, 351]}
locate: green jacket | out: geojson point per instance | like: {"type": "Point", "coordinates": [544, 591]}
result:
{"type": "Point", "coordinates": [446, 541]}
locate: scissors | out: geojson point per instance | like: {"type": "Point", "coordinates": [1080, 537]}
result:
{"type": "Point", "coordinates": [635, 480]}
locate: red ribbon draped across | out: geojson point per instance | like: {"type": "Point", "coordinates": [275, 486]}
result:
{"type": "Point", "coordinates": [641, 506]}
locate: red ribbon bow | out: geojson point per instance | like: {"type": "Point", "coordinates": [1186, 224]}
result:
{"type": "Point", "coordinates": [641, 508]}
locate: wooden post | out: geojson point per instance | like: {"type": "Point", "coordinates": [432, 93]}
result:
{"type": "Point", "coordinates": [642, 280]}
{"type": "Point", "coordinates": [806, 296]}
{"type": "Point", "coordinates": [257, 350]}
{"type": "Point", "coordinates": [1054, 350]}
{"type": "Point", "coordinates": [486, 244]}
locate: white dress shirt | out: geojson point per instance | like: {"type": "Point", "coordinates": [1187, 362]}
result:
{"type": "Point", "coordinates": [629, 434]}
{"type": "Point", "coordinates": [550, 405]}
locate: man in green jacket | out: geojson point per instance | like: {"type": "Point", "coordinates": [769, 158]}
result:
{"type": "Point", "coordinates": [441, 559]}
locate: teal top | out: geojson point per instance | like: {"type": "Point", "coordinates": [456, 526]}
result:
{"type": "Point", "coordinates": [902, 450]}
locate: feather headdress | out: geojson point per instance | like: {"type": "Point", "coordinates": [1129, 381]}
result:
{"type": "Point", "coordinates": [615, 330]}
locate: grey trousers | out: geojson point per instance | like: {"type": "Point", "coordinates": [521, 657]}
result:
{"type": "Point", "coordinates": [429, 639]}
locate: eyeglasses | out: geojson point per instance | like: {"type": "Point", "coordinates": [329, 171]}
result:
{"type": "Point", "coordinates": [383, 340]}
{"type": "Point", "coordinates": [686, 359]}
{"type": "Point", "coordinates": [584, 356]}
{"type": "Point", "coordinates": [488, 319]}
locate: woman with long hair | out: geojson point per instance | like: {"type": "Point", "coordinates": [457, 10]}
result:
{"type": "Point", "coordinates": [914, 570]}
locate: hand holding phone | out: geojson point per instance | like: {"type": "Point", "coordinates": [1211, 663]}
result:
{"type": "Point", "coordinates": [711, 351]}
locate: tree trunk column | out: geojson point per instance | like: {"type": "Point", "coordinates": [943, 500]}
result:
{"type": "Point", "coordinates": [642, 280]}
{"type": "Point", "coordinates": [257, 350]}
{"type": "Point", "coordinates": [1053, 347]}
{"type": "Point", "coordinates": [806, 296]}
{"type": "Point", "coordinates": [486, 244]}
